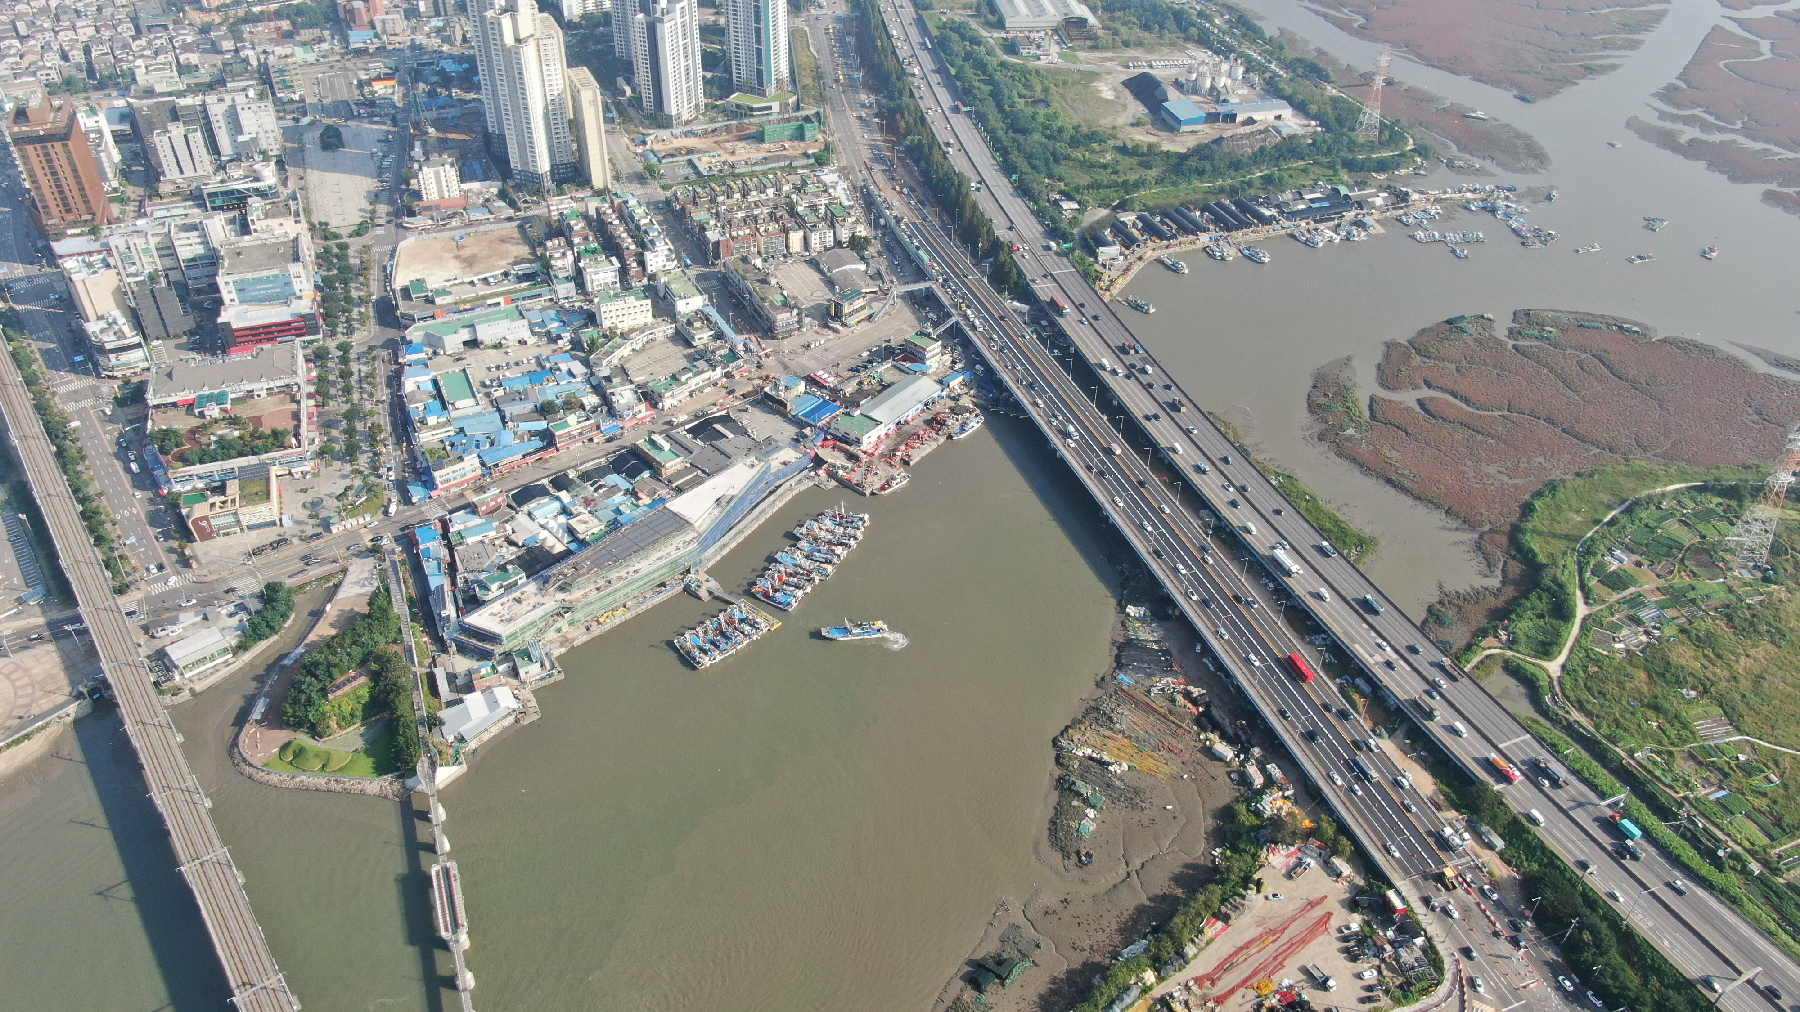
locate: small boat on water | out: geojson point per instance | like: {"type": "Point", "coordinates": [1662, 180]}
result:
{"type": "Point", "coordinates": [1477, 114]}
{"type": "Point", "coordinates": [894, 484]}
{"type": "Point", "coordinates": [1551, 195]}
{"type": "Point", "coordinates": [1461, 253]}
{"type": "Point", "coordinates": [1641, 258]}
{"type": "Point", "coordinates": [1218, 251]}
{"type": "Point", "coordinates": [1613, 144]}
{"type": "Point", "coordinates": [1255, 254]}
{"type": "Point", "coordinates": [1591, 248]}
{"type": "Point", "coordinates": [1655, 224]}
{"type": "Point", "coordinates": [1710, 252]}
{"type": "Point", "coordinates": [1175, 265]}
{"type": "Point", "coordinates": [975, 421]}
{"type": "Point", "coordinates": [1140, 305]}
{"type": "Point", "coordinates": [855, 630]}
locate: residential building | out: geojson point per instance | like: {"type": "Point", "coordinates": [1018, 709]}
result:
{"type": "Point", "coordinates": [664, 43]}
{"type": "Point", "coordinates": [242, 118]}
{"type": "Point", "coordinates": [439, 179]}
{"type": "Point", "coordinates": [173, 133]}
{"type": "Point", "coordinates": [575, 10]}
{"type": "Point", "coordinates": [589, 112]}
{"type": "Point", "coordinates": [524, 90]}
{"type": "Point", "coordinates": [59, 168]}
{"type": "Point", "coordinates": [623, 311]}
{"type": "Point", "coordinates": [756, 41]}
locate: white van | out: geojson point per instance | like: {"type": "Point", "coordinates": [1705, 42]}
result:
{"type": "Point", "coordinates": [1536, 817]}
{"type": "Point", "coordinates": [1457, 728]}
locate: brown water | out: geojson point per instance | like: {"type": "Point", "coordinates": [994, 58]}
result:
{"type": "Point", "coordinates": [814, 824]}
{"type": "Point", "coordinates": [729, 839]}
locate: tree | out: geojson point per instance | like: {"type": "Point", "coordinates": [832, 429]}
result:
{"type": "Point", "coordinates": [331, 138]}
{"type": "Point", "coordinates": [859, 243]}
{"type": "Point", "coordinates": [168, 440]}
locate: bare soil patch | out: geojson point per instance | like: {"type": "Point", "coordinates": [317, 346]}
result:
{"type": "Point", "coordinates": [1530, 48]}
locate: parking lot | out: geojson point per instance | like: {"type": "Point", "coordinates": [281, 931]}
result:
{"type": "Point", "coordinates": [338, 185]}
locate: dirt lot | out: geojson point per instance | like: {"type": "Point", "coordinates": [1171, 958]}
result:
{"type": "Point", "coordinates": [1730, 91]}
{"type": "Point", "coordinates": [1527, 47]}
{"type": "Point", "coordinates": [439, 259]}
{"type": "Point", "coordinates": [734, 149]}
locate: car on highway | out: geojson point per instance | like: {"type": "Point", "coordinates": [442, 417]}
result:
{"type": "Point", "coordinates": [1393, 851]}
{"type": "Point", "coordinates": [1336, 779]}
{"type": "Point", "coordinates": [1513, 924]}
{"type": "Point", "coordinates": [1439, 682]}
{"type": "Point", "coordinates": [1344, 714]}
{"type": "Point", "coordinates": [1311, 735]}
{"type": "Point", "coordinates": [1478, 984]}
{"type": "Point", "coordinates": [1468, 952]}
{"type": "Point", "coordinates": [1613, 894]}
{"type": "Point", "coordinates": [1774, 992]}
{"type": "Point", "coordinates": [1678, 885]}
{"type": "Point", "coordinates": [1565, 983]}
{"type": "Point", "coordinates": [1594, 1000]}
{"type": "Point", "coordinates": [1285, 715]}
{"type": "Point", "coordinates": [1492, 894]}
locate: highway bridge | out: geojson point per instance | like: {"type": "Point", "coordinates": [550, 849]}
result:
{"type": "Point", "coordinates": [1226, 586]}
{"type": "Point", "coordinates": [257, 984]}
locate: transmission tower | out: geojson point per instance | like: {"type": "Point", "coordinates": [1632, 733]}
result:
{"type": "Point", "coordinates": [1369, 127]}
{"type": "Point", "coordinates": [1755, 530]}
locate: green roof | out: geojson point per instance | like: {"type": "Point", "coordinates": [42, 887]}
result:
{"type": "Point", "coordinates": [452, 324]}
{"type": "Point", "coordinates": [855, 424]}
{"type": "Point", "coordinates": [455, 386]}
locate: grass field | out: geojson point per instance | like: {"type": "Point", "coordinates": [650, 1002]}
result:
{"type": "Point", "coordinates": [373, 760]}
{"type": "Point", "coordinates": [806, 69]}
{"type": "Point", "coordinates": [1356, 546]}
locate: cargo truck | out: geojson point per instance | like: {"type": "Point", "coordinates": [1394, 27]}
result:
{"type": "Point", "coordinates": [1286, 564]}
{"type": "Point", "coordinates": [1505, 769]}
{"type": "Point", "coordinates": [1627, 827]}
{"type": "Point", "coordinates": [1396, 905]}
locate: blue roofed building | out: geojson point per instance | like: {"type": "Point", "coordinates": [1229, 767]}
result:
{"type": "Point", "coordinates": [1182, 116]}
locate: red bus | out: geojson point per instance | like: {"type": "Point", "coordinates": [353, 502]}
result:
{"type": "Point", "coordinates": [1300, 667]}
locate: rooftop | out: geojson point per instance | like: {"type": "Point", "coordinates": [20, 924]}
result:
{"type": "Point", "coordinates": [1040, 14]}
{"type": "Point", "coordinates": [440, 260]}
{"type": "Point", "coordinates": [901, 399]}
{"type": "Point", "coordinates": [262, 253]}
{"type": "Point", "coordinates": [189, 649]}
{"type": "Point", "coordinates": [270, 366]}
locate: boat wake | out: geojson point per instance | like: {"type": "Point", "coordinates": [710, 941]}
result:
{"type": "Point", "coordinates": [896, 640]}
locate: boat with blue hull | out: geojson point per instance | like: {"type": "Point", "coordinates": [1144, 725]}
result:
{"type": "Point", "coordinates": [855, 630]}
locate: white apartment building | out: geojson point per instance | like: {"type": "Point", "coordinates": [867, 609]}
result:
{"type": "Point", "coordinates": [665, 58]}
{"type": "Point", "coordinates": [519, 52]}
{"type": "Point", "coordinates": [575, 10]}
{"type": "Point", "coordinates": [439, 179]}
{"type": "Point", "coordinates": [243, 123]}
{"type": "Point", "coordinates": [756, 40]}
{"type": "Point", "coordinates": [585, 104]}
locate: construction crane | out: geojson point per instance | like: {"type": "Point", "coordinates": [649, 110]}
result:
{"type": "Point", "coordinates": [1755, 530]}
{"type": "Point", "coordinates": [1369, 127]}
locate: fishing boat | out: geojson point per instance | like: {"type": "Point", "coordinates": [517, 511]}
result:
{"type": "Point", "coordinates": [723, 635]}
{"type": "Point", "coordinates": [1710, 252]}
{"type": "Point", "coordinates": [1218, 251]}
{"type": "Point", "coordinates": [1175, 265]}
{"type": "Point", "coordinates": [1140, 305]}
{"type": "Point", "coordinates": [1613, 144]}
{"type": "Point", "coordinates": [1256, 254]}
{"type": "Point", "coordinates": [1477, 114]}
{"type": "Point", "coordinates": [970, 424]}
{"type": "Point", "coordinates": [1655, 224]}
{"type": "Point", "coordinates": [1590, 248]}
{"type": "Point", "coordinates": [855, 630]}
{"type": "Point", "coordinates": [1461, 253]}
{"type": "Point", "coordinates": [894, 484]}
{"type": "Point", "coordinates": [1641, 258]}
{"type": "Point", "coordinates": [1552, 195]}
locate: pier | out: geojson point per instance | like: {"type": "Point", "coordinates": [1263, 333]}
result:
{"type": "Point", "coordinates": [256, 982]}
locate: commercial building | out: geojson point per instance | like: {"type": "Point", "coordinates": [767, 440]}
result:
{"type": "Point", "coordinates": [160, 314]}
{"type": "Point", "coordinates": [233, 506]}
{"type": "Point", "coordinates": [524, 90]}
{"type": "Point", "coordinates": [116, 345]}
{"type": "Point", "coordinates": [663, 38]}
{"type": "Point", "coordinates": [264, 270]}
{"type": "Point", "coordinates": [61, 175]}
{"type": "Point", "coordinates": [247, 327]}
{"type": "Point", "coordinates": [877, 419]}
{"type": "Point", "coordinates": [763, 296]}
{"type": "Point", "coordinates": [589, 112]}
{"type": "Point", "coordinates": [1071, 17]}
{"type": "Point", "coordinates": [1183, 116]}
{"type": "Point", "coordinates": [270, 370]}
{"type": "Point", "coordinates": [756, 42]}
{"type": "Point", "coordinates": [465, 719]}
{"type": "Point", "coordinates": [193, 655]}
{"type": "Point", "coordinates": [624, 311]}
{"type": "Point", "coordinates": [96, 285]}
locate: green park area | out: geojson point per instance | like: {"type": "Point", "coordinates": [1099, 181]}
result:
{"type": "Point", "coordinates": [1684, 681]}
{"type": "Point", "coordinates": [375, 759]}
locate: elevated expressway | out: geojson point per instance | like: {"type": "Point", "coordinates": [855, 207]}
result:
{"type": "Point", "coordinates": [1695, 929]}
{"type": "Point", "coordinates": [257, 984]}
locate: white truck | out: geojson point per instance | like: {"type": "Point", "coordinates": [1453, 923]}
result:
{"type": "Point", "coordinates": [1287, 565]}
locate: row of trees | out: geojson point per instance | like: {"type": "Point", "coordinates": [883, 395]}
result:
{"type": "Point", "coordinates": [343, 653]}
{"type": "Point", "coordinates": [392, 694]}
{"type": "Point", "coordinates": [277, 608]}
{"type": "Point", "coordinates": [70, 457]}
{"type": "Point", "coordinates": [952, 188]}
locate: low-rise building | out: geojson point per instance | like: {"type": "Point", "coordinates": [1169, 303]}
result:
{"type": "Point", "coordinates": [196, 654]}
{"type": "Point", "coordinates": [231, 507]}
{"type": "Point", "coordinates": [465, 719]}
{"type": "Point", "coordinates": [624, 311]}
{"type": "Point", "coordinates": [877, 419]}
{"type": "Point", "coordinates": [117, 345]}
{"type": "Point", "coordinates": [763, 296]}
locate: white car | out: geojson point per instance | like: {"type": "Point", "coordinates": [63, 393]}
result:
{"type": "Point", "coordinates": [1478, 984]}
{"type": "Point", "coordinates": [1393, 851]}
{"type": "Point", "coordinates": [1338, 780]}
{"type": "Point", "coordinates": [1369, 974]}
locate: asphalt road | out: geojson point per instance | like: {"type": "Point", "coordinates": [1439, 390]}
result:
{"type": "Point", "coordinates": [1699, 932]}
